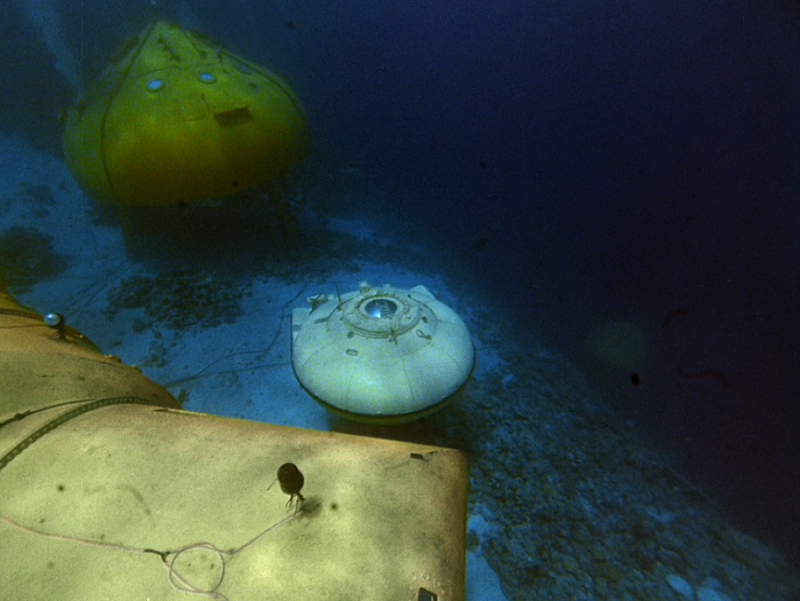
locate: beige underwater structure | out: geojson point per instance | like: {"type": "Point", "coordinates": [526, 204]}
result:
{"type": "Point", "coordinates": [109, 490]}
{"type": "Point", "coordinates": [381, 355]}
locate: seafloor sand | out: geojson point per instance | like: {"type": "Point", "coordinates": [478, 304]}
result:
{"type": "Point", "coordinates": [567, 502]}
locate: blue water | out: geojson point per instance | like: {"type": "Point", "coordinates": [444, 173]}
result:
{"type": "Point", "coordinates": [593, 161]}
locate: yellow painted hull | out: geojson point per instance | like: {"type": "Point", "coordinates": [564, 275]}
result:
{"type": "Point", "coordinates": [176, 119]}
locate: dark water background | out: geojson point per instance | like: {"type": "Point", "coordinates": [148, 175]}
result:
{"type": "Point", "coordinates": [595, 162]}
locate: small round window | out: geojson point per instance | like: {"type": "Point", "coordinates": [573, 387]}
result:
{"type": "Point", "coordinates": [381, 308]}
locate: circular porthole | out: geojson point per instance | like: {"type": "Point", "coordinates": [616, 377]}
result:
{"type": "Point", "coordinates": [380, 308]}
